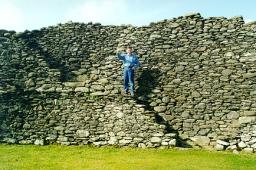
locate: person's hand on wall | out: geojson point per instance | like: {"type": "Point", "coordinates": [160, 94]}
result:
{"type": "Point", "coordinates": [119, 50]}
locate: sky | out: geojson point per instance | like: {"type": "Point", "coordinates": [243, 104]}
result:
{"type": "Point", "coordinates": [20, 15]}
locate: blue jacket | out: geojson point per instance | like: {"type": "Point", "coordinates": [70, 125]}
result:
{"type": "Point", "coordinates": [129, 61]}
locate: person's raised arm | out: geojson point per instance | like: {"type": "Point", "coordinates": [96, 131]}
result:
{"type": "Point", "coordinates": [120, 56]}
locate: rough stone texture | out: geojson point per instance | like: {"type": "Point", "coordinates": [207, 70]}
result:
{"type": "Point", "coordinates": [219, 147]}
{"type": "Point", "coordinates": [202, 141]}
{"type": "Point", "coordinates": [63, 84]}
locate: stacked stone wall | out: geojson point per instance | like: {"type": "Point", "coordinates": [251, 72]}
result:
{"type": "Point", "coordinates": [195, 87]}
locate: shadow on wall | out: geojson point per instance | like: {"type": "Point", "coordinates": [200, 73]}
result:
{"type": "Point", "coordinates": [147, 81]}
{"type": "Point", "coordinates": [15, 108]}
{"type": "Point", "coordinates": [54, 62]}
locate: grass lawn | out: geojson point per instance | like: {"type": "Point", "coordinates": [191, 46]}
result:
{"type": "Point", "coordinates": [85, 157]}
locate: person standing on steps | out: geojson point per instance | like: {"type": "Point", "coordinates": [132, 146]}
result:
{"type": "Point", "coordinates": [130, 63]}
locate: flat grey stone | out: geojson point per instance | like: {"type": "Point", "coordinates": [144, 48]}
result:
{"type": "Point", "coordinates": [226, 72]}
{"type": "Point", "coordinates": [160, 108]}
{"type": "Point", "coordinates": [98, 93]}
{"type": "Point", "coordinates": [156, 140]}
{"type": "Point", "coordinates": [74, 84]}
{"type": "Point", "coordinates": [219, 147]}
{"type": "Point", "coordinates": [201, 140]}
{"type": "Point", "coordinates": [248, 150]}
{"type": "Point", "coordinates": [221, 142]}
{"type": "Point", "coordinates": [81, 89]}
{"type": "Point", "coordinates": [249, 113]}
{"type": "Point", "coordinates": [172, 142]}
{"type": "Point", "coordinates": [82, 133]}
{"type": "Point", "coordinates": [39, 142]}
{"type": "Point", "coordinates": [232, 115]}
{"type": "Point", "coordinates": [241, 144]}
{"type": "Point", "coordinates": [120, 115]}
{"type": "Point", "coordinates": [244, 119]}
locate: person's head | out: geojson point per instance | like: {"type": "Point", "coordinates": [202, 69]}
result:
{"type": "Point", "coordinates": [129, 50]}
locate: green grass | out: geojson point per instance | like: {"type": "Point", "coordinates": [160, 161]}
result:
{"type": "Point", "coordinates": [85, 157]}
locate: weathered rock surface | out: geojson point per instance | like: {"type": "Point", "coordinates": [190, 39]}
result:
{"type": "Point", "coordinates": [63, 84]}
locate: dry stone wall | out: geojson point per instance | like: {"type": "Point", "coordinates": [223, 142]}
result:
{"type": "Point", "coordinates": [195, 87]}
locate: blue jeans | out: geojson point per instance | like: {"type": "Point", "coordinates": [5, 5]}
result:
{"type": "Point", "coordinates": [129, 78]}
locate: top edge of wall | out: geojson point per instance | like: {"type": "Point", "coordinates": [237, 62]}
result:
{"type": "Point", "coordinates": [192, 16]}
